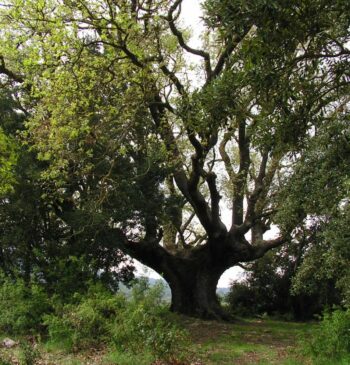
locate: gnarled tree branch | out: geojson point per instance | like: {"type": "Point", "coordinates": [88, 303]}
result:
{"type": "Point", "coordinates": [182, 43]}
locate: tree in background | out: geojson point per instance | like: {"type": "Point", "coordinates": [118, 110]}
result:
{"type": "Point", "coordinates": [150, 157]}
{"type": "Point", "coordinates": [325, 194]}
{"type": "Point", "coordinates": [268, 286]}
{"type": "Point", "coordinates": [312, 272]}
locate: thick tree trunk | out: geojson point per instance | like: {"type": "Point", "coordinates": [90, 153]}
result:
{"type": "Point", "coordinates": [195, 294]}
{"type": "Point", "coordinates": [193, 273]}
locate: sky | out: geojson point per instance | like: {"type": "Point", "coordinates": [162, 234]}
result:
{"type": "Point", "coordinates": [191, 13]}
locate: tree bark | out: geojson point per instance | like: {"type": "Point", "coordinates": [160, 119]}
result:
{"type": "Point", "coordinates": [195, 295]}
{"type": "Point", "coordinates": [193, 273]}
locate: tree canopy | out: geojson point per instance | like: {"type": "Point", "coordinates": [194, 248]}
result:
{"type": "Point", "coordinates": [185, 167]}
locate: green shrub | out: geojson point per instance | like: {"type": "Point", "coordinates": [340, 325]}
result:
{"type": "Point", "coordinates": [241, 300]}
{"type": "Point", "coordinates": [144, 327]}
{"type": "Point", "coordinates": [137, 326]}
{"type": "Point", "coordinates": [86, 321]}
{"type": "Point", "coordinates": [140, 331]}
{"type": "Point", "coordinates": [330, 341]}
{"type": "Point", "coordinates": [22, 307]}
{"type": "Point", "coordinates": [29, 355]}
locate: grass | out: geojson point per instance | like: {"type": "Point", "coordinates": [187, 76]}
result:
{"type": "Point", "coordinates": [261, 342]}
{"type": "Point", "coordinates": [246, 342]}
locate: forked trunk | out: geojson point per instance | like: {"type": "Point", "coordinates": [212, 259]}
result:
{"type": "Point", "coordinates": [193, 274]}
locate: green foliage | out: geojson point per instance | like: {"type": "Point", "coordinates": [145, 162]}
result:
{"type": "Point", "coordinates": [45, 235]}
{"type": "Point", "coordinates": [8, 159]}
{"type": "Point", "coordinates": [22, 307]}
{"type": "Point", "coordinates": [136, 326]}
{"type": "Point", "coordinates": [35, 242]}
{"type": "Point", "coordinates": [86, 321]}
{"type": "Point", "coordinates": [316, 201]}
{"type": "Point", "coordinates": [330, 341]}
{"type": "Point", "coordinates": [145, 328]}
{"type": "Point", "coordinates": [241, 300]}
{"type": "Point", "coordinates": [10, 121]}
{"type": "Point", "coordinates": [269, 285]}
{"type": "Point", "coordinates": [112, 113]}
{"type": "Point", "coordinates": [140, 324]}
{"type": "Point", "coordinates": [319, 183]}
{"type": "Point", "coordinates": [327, 259]}
{"type": "Point", "coordinates": [29, 355]}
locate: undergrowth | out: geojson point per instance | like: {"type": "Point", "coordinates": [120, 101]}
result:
{"type": "Point", "coordinates": [329, 343]}
{"type": "Point", "coordinates": [137, 329]}
{"type": "Point", "coordinates": [131, 328]}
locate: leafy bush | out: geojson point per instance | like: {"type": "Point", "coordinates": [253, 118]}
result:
{"type": "Point", "coordinates": [145, 327]}
{"type": "Point", "coordinates": [86, 321]}
{"type": "Point", "coordinates": [22, 307]}
{"type": "Point", "coordinates": [331, 340]}
{"type": "Point", "coordinates": [241, 300]}
{"type": "Point", "coordinates": [136, 327]}
{"type": "Point", "coordinates": [266, 288]}
{"type": "Point", "coordinates": [139, 331]}
{"type": "Point", "coordinates": [29, 354]}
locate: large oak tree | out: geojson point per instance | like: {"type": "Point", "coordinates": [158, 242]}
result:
{"type": "Point", "coordinates": [182, 165]}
